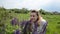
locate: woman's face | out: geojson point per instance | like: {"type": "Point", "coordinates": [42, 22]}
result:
{"type": "Point", "coordinates": [33, 17]}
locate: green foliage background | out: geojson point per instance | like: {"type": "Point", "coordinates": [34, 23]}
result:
{"type": "Point", "coordinates": [6, 16]}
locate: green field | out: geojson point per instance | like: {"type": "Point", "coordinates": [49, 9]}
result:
{"type": "Point", "coordinates": [6, 15]}
{"type": "Point", "coordinates": [53, 26]}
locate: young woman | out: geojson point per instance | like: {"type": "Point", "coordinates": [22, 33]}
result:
{"type": "Point", "coordinates": [36, 24]}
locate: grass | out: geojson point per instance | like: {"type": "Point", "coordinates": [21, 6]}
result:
{"type": "Point", "coordinates": [53, 26]}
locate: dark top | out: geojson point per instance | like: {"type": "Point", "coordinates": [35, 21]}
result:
{"type": "Point", "coordinates": [36, 29]}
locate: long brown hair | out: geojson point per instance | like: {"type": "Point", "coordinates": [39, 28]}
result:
{"type": "Point", "coordinates": [38, 19]}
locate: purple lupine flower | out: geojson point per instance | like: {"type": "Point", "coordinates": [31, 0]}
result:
{"type": "Point", "coordinates": [17, 32]}
{"type": "Point", "coordinates": [14, 21]}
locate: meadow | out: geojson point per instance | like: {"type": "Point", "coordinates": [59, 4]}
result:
{"type": "Point", "coordinates": [6, 15]}
{"type": "Point", "coordinates": [53, 26]}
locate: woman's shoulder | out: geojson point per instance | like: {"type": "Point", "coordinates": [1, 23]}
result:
{"type": "Point", "coordinates": [43, 21]}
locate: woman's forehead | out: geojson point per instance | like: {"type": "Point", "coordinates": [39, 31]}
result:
{"type": "Point", "coordinates": [32, 13]}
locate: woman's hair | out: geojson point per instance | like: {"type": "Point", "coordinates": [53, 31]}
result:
{"type": "Point", "coordinates": [38, 18]}
{"type": "Point", "coordinates": [33, 11]}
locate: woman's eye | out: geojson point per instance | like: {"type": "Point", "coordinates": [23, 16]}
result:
{"type": "Point", "coordinates": [33, 16]}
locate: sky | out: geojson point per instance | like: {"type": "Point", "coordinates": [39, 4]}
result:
{"type": "Point", "coordinates": [49, 5]}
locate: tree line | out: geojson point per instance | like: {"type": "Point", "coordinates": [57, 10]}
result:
{"type": "Point", "coordinates": [25, 11]}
